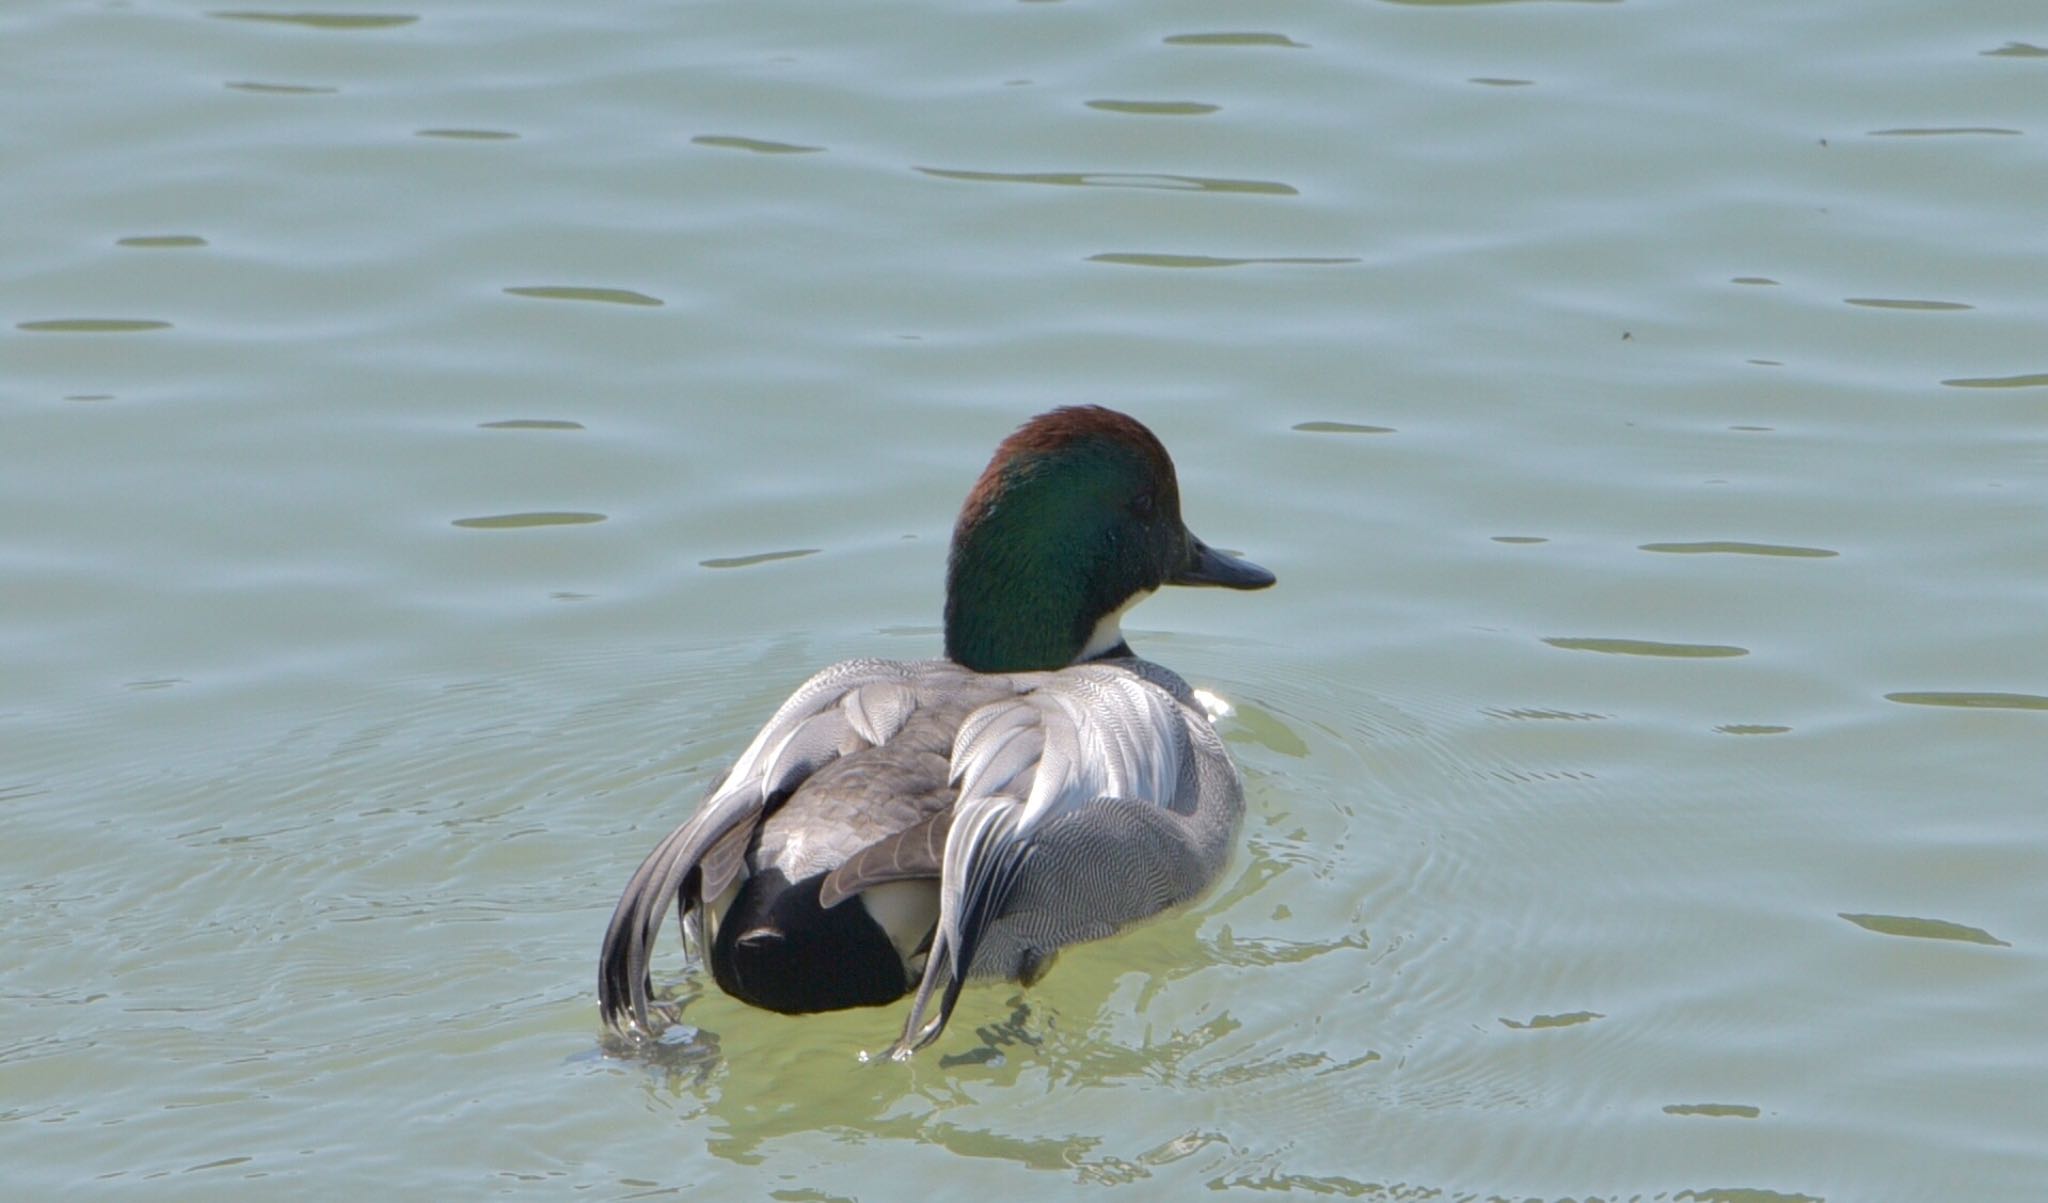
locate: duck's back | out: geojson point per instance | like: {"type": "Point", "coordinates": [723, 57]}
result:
{"type": "Point", "coordinates": [873, 791]}
{"type": "Point", "coordinates": [820, 871]}
{"type": "Point", "coordinates": [784, 941]}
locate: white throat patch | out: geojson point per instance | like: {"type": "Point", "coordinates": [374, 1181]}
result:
{"type": "Point", "coordinates": [1109, 630]}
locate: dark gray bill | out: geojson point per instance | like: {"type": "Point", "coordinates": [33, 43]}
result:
{"type": "Point", "coordinates": [1212, 567]}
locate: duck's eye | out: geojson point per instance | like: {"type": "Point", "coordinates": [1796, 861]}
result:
{"type": "Point", "coordinates": [1142, 506]}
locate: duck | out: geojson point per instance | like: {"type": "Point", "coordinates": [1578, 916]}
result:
{"type": "Point", "coordinates": [900, 827]}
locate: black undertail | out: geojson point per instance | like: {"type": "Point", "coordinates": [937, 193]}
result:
{"type": "Point", "coordinates": [779, 950]}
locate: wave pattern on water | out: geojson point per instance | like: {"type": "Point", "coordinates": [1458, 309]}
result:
{"type": "Point", "coordinates": [319, 788]}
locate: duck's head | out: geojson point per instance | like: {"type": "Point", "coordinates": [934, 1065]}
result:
{"type": "Point", "coordinates": [1075, 519]}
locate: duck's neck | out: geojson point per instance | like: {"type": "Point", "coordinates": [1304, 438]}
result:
{"type": "Point", "coordinates": [1023, 592]}
{"type": "Point", "coordinates": [1108, 637]}
{"type": "Point", "coordinates": [1013, 606]}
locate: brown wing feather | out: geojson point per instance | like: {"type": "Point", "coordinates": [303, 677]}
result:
{"type": "Point", "coordinates": [916, 852]}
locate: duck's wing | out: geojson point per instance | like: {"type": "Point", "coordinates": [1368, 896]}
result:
{"type": "Point", "coordinates": [1075, 817]}
{"type": "Point", "coordinates": [916, 853]}
{"type": "Point", "coordinates": [852, 705]}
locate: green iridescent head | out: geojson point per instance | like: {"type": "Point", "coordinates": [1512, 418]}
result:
{"type": "Point", "coordinates": [1076, 517]}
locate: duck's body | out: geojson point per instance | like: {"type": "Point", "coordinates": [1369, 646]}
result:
{"type": "Point", "coordinates": [905, 825]}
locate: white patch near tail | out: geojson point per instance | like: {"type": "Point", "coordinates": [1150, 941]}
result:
{"type": "Point", "coordinates": [906, 911]}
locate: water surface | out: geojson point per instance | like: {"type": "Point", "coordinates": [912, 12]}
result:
{"type": "Point", "coordinates": [433, 437]}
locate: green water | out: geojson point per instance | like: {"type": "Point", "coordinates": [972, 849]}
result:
{"type": "Point", "coordinates": [432, 438]}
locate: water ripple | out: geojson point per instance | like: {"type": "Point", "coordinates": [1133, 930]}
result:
{"type": "Point", "coordinates": [1904, 303]}
{"type": "Point", "coordinates": [1563, 1019]}
{"type": "Point", "coordinates": [92, 325]}
{"type": "Point", "coordinates": [1736, 548]}
{"type": "Point", "coordinates": [318, 20]}
{"type": "Point", "coordinates": [763, 557]}
{"type": "Point", "coordinates": [1155, 108]}
{"type": "Point", "coordinates": [759, 146]}
{"type": "Point", "coordinates": [1648, 647]}
{"type": "Point", "coordinates": [1154, 259]}
{"type": "Point", "coordinates": [2024, 380]}
{"type": "Point", "coordinates": [572, 292]}
{"type": "Point", "coordinates": [467, 135]}
{"type": "Point", "coordinates": [1714, 1110]}
{"type": "Point", "coordinates": [1970, 700]}
{"type": "Point", "coordinates": [1923, 929]}
{"type": "Point", "coordinates": [530, 519]}
{"type": "Point", "coordinates": [1340, 428]}
{"type": "Point", "coordinates": [1235, 39]}
{"type": "Point", "coordinates": [250, 85]}
{"type": "Point", "coordinates": [1112, 179]}
{"type": "Point", "coordinates": [1945, 131]}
